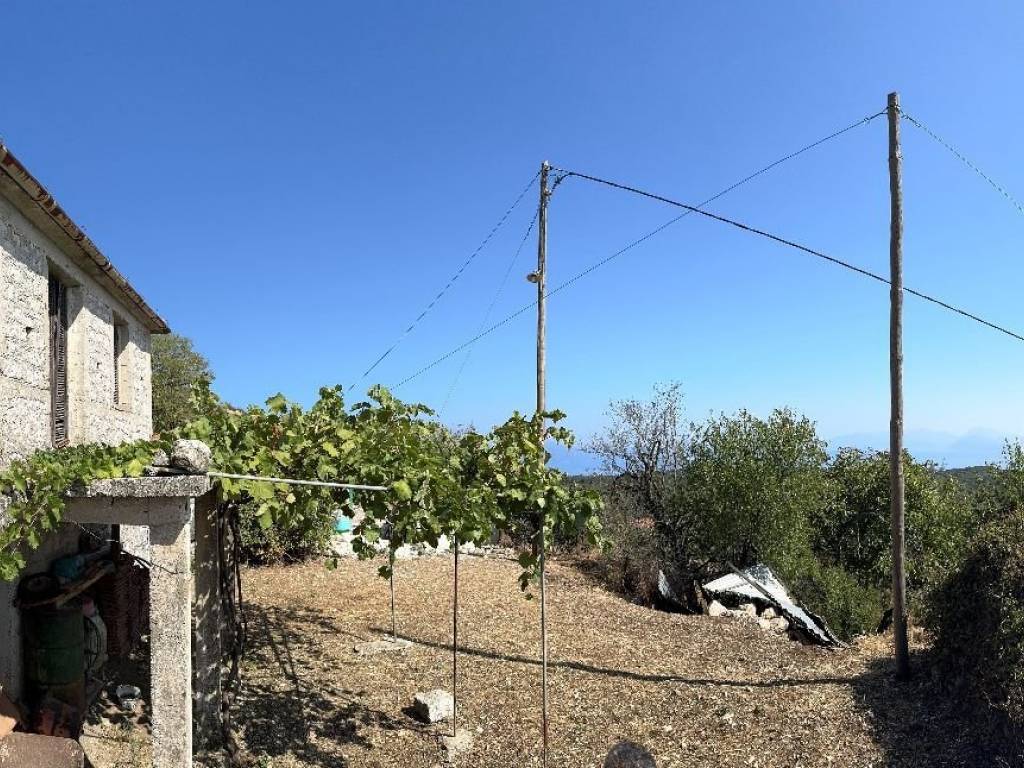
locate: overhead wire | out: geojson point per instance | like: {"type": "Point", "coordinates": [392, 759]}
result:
{"type": "Point", "coordinates": [725, 220]}
{"type": "Point", "coordinates": [451, 281]}
{"type": "Point", "coordinates": [640, 240]}
{"type": "Point", "coordinates": [963, 159]}
{"type": "Point", "coordinates": [796, 245]}
{"type": "Point", "coordinates": [490, 307]}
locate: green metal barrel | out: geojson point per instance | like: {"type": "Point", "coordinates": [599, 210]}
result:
{"type": "Point", "coordinates": [54, 642]}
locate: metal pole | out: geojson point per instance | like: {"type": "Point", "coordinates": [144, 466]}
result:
{"type": "Point", "coordinates": [542, 256]}
{"type": "Point", "coordinates": [455, 643]}
{"type": "Point", "coordinates": [394, 631]}
{"type": "Point", "coordinates": [899, 581]}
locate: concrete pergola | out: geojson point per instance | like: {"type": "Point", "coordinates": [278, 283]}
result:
{"type": "Point", "coordinates": [165, 505]}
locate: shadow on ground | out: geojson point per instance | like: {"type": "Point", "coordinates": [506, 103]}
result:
{"type": "Point", "coordinates": [922, 723]}
{"type": "Point", "coordinates": [283, 711]}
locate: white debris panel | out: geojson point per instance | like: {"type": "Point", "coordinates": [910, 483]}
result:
{"type": "Point", "coordinates": [733, 586]}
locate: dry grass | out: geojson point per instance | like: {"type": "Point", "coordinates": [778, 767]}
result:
{"type": "Point", "coordinates": [696, 691]}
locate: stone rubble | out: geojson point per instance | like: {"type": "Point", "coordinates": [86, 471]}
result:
{"type": "Point", "coordinates": [191, 455]}
{"type": "Point", "coordinates": [433, 706]}
{"type": "Point", "coordinates": [769, 620]}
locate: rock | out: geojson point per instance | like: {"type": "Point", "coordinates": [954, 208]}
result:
{"type": "Point", "coordinates": [765, 624]}
{"type": "Point", "coordinates": [191, 455]}
{"type": "Point", "coordinates": [434, 706]}
{"type": "Point", "coordinates": [717, 609]}
{"type": "Point", "coordinates": [160, 459]}
{"type": "Point", "coordinates": [779, 624]}
{"type": "Point", "coordinates": [627, 754]}
{"type": "Point", "coordinates": [460, 742]}
{"type": "Point", "coordinates": [381, 646]}
{"type": "Point", "coordinates": [18, 750]}
{"type": "Point", "coordinates": [750, 609]}
{"type": "Point", "coordinates": [769, 613]}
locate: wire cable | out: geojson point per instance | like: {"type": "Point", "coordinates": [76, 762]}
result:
{"type": "Point", "coordinates": [739, 225]}
{"type": "Point", "coordinates": [449, 284]}
{"type": "Point", "coordinates": [644, 238]}
{"type": "Point", "coordinates": [490, 308]}
{"type": "Point", "coordinates": [963, 159]}
{"type": "Point", "coordinates": [793, 244]}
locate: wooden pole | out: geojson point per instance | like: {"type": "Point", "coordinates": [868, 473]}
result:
{"type": "Point", "coordinates": [542, 258]}
{"type": "Point", "coordinates": [896, 479]}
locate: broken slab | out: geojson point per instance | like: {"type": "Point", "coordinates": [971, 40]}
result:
{"type": "Point", "coordinates": [374, 647]}
{"type": "Point", "coordinates": [433, 706]}
{"type": "Point", "coordinates": [759, 583]}
{"type": "Point", "coordinates": [462, 741]}
{"type": "Point", "coordinates": [628, 754]}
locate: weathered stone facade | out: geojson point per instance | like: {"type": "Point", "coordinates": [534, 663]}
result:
{"type": "Point", "coordinates": [28, 256]}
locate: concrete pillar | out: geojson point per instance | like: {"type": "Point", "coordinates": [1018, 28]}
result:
{"type": "Point", "coordinates": [170, 618]}
{"type": "Point", "coordinates": [206, 637]}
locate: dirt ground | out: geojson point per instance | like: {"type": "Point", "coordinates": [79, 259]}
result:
{"type": "Point", "coordinates": [696, 691]}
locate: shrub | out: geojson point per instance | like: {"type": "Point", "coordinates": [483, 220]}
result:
{"type": "Point", "coordinates": [854, 530]}
{"type": "Point", "coordinates": [848, 607]}
{"type": "Point", "coordinates": [281, 543]}
{"type": "Point", "coordinates": [751, 487]}
{"type": "Point", "coordinates": [978, 619]}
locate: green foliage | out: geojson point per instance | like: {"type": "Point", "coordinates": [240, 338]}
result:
{"type": "Point", "coordinates": [435, 483]}
{"type": "Point", "coordinates": [978, 618]}
{"type": "Point", "coordinates": [465, 487]}
{"type": "Point", "coordinates": [752, 486]}
{"type": "Point", "coordinates": [854, 530]}
{"type": "Point", "coordinates": [848, 607]}
{"type": "Point", "coordinates": [177, 368]}
{"type": "Point", "coordinates": [34, 490]}
{"type": "Point", "coordinates": [739, 489]}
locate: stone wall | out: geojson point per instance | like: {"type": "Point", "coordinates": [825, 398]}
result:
{"type": "Point", "coordinates": [26, 259]}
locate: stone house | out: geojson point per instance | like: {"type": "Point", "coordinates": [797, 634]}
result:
{"type": "Point", "coordinates": [74, 355]}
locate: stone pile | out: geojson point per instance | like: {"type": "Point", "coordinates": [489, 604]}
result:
{"type": "Point", "coordinates": [768, 619]}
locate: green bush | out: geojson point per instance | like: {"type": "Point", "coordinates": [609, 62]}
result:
{"type": "Point", "coordinates": [977, 616]}
{"type": "Point", "coordinates": [853, 531]}
{"type": "Point", "coordinates": [752, 486]}
{"type": "Point", "coordinates": [848, 607]}
{"type": "Point", "coordinates": [282, 543]}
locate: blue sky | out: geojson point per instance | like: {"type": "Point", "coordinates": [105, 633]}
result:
{"type": "Point", "coordinates": [289, 185]}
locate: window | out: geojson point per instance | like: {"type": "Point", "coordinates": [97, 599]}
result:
{"type": "Point", "coordinates": [58, 314]}
{"type": "Point", "coordinates": [120, 363]}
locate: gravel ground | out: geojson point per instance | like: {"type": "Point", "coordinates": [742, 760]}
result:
{"type": "Point", "coordinates": [697, 691]}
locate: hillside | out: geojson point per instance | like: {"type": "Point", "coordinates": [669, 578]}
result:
{"type": "Point", "coordinates": [697, 691]}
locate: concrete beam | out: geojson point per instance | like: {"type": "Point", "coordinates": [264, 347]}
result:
{"type": "Point", "coordinates": [170, 618]}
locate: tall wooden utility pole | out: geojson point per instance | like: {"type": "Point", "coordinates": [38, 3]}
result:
{"type": "Point", "coordinates": [896, 480]}
{"type": "Point", "coordinates": [542, 281]}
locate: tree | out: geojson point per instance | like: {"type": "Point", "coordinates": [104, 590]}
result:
{"type": "Point", "coordinates": [177, 367]}
{"type": "Point", "coordinates": [853, 531]}
{"type": "Point", "coordinates": [752, 485]}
